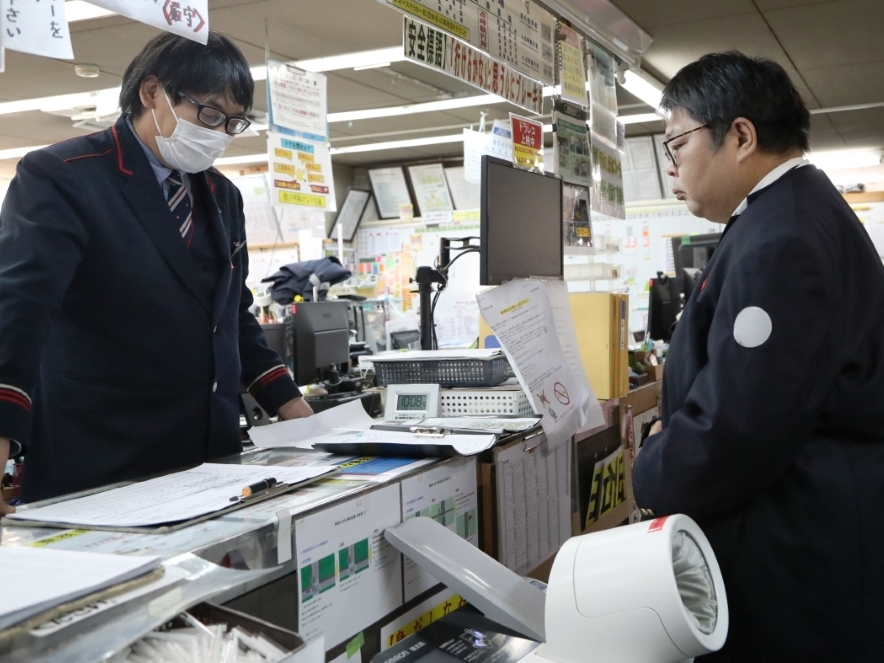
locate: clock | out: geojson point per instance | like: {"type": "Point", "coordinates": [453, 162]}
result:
{"type": "Point", "coordinates": [411, 401]}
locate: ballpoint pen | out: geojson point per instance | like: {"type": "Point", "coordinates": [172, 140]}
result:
{"type": "Point", "coordinates": [255, 488]}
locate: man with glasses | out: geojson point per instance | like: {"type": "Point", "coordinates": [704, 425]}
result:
{"type": "Point", "coordinates": [125, 330]}
{"type": "Point", "coordinates": [772, 435]}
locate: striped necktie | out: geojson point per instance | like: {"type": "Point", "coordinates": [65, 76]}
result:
{"type": "Point", "coordinates": [180, 206]}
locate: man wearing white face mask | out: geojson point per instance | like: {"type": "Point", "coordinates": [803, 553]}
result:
{"type": "Point", "coordinates": [125, 330]}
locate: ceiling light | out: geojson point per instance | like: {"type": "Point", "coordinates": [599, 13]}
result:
{"type": "Point", "coordinates": [77, 10]}
{"type": "Point", "coordinates": [377, 57]}
{"type": "Point", "coordinates": [414, 142]}
{"type": "Point", "coordinates": [840, 159]}
{"type": "Point", "coordinates": [376, 65]}
{"type": "Point", "coordinates": [638, 118]}
{"type": "Point", "coordinates": [60, 102]}
{"type": "Point", "coordinates": [19, 152]}
{"type": "Point", "coordinates": [240, 160]}
{"type": "Point", "coordinates": [370, 147]}
{"type": "Point", "coordinates": [431, 106]}
{"type": "Point", "coordinates": [648, 89]}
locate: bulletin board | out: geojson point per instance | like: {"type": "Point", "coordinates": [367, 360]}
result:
{"type": "Point", "coordinates": [646, 247]}
{"type": "Point", "coordinates": [394, 251]}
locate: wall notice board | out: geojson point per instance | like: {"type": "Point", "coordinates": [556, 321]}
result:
{"type": "Point", "coordinates": [394, 251]}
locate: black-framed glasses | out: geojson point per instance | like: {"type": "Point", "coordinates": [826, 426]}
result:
{"type": "Point", "coordinates": [212, 117]}
{"type": "Point", "coordinates": [668, 152]}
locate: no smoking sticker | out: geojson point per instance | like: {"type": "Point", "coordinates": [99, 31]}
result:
{"type": "Point", "coordinates": [561, 394]}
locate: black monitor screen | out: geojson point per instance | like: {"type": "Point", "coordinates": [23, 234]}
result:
{"type": "Point", "coordinates": [321, 338]}
{"type": "Point", "coordinates": [663, 307]}
{"type": "Point", "coordinates": [521, 216]}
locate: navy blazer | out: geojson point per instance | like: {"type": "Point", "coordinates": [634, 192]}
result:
{"type": "Point", "coordinates": [773, 434]}
{"type": "Point", "coordinates": [115, 359]}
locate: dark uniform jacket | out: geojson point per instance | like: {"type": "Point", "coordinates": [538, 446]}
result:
{"type": "Point", "coordinates": [773, 439]}
{"type": "Point", "coordinates": [122, 349]}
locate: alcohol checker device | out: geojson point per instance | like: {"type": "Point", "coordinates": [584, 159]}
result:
{"type": "Point", "coordinates": [412, 401]}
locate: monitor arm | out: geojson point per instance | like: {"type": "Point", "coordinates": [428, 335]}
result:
{"type": "Point", "coordinates": [427, 276]}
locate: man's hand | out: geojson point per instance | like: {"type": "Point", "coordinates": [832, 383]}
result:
{"type": "Point", "coordinates": [4, 456]}
{"type": "Point", "coordinates": [656, 428]}
{"type": "Point", "coordinates": [297, 408]}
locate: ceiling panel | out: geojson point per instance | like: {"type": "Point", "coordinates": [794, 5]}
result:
{"type": "Point", "coordinates": [650, 15]}
{"type": "Point", "coordinates": [843, 85]}
{"type": "Point", "coordinates": [677, 45]}
{"type": "Point", "coordinates": [831, 33]}
{"type": "Point", "coordinates": [861, 128]}
{"type": "Point", "coordinates": [765, 5]}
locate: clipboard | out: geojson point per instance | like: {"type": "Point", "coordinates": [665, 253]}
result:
{"type": "Point", "coordinates": [165, 528]}
{"type": "Point", "coordinates": [433, 448]}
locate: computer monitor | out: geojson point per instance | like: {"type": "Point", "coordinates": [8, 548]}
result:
{"type": "Point", "coordinates": [694, 251]}
{"type": "Point", "coordinates": [690, 276]}
{"type": "Point", "coordinates": [277, 335]}
{"type": "Point", "coordinates": [521, 223]}
{"type": "Point", "coordinates": [664, 305]}
{"type": "Point", "coordinates": [320, 338]}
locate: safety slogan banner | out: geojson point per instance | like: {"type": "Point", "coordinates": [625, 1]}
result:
{"type": "Point", "coordinates": [527, 143]}
{"type": "Point", "coordinates": [300, 172]}
{"type": "Point", "coordinates": [188, 18]}
{"type": "Point", "coordinates": [438, 50]}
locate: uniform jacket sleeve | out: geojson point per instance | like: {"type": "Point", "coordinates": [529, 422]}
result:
{"type": "Point", "coordinates": [263, 372]}
{"type": "Point", "coordinates": [42, 242]}
{"type": "Point", "coordinates": [750, 409]}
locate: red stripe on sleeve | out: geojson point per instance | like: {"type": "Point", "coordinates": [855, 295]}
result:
{"type": "Point", "coordinates": [270, 377]}
{"type": "Point", "coordinates": [15, 399]}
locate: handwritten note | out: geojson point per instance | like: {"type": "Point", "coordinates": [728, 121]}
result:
{"type": "Point", "coordinates": [188, 18]}
{"type": "Point", "coordinates": [39, 28]}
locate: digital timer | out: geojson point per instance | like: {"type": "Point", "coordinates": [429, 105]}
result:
{"type": "Point", "coordinates": [411, 401]}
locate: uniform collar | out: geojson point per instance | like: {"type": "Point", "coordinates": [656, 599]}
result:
{"type": "Point", "coordinates": [160, 171]}
{"type": "Point", "coordinates": [769, 179]}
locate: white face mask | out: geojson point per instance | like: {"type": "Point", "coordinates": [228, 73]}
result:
{"type": "Point", "coordinates": [190, 148]}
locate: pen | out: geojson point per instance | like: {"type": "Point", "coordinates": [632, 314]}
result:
{"type": "Point", "coordinates": [248, 491]}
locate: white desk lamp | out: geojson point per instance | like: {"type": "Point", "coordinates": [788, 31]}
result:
{"type": "Point", "coordinates": [645, 593]}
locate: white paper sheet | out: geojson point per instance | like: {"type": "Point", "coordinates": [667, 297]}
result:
{"type": "Point", "coordinates": [39, 28]}
{"type": "Point", "coordinates": [298, 433]}
{"type": "Point", "coordinates": [521, 315]}
{"type": "Point", "coordinates": [465, 445]}
{"type": "Point", "coordinates": [489, 424]}
{"type": "Point", "coordinates": [36, 579]}
{"type": "Point", "coordinates": [172, 498]}
{"type": "Point", "coordinates": [188, 18]}
{"type": "Point", "coordinates": [561, 307]}
{"type": "Point", "coordinates": [348, 574]}
{"type": "Point", "coordinates": [447, 494]}
{"type": "Point", "coordinates": [534, 494]}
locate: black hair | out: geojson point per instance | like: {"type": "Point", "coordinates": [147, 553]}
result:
{"type": "Point", "coordinates": [720, 87]}
{"type": "Point", "coordinates": [184, 65]}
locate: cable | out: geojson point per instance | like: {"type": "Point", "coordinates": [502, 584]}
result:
{"type": "Point", "coordinates": [443, 272]}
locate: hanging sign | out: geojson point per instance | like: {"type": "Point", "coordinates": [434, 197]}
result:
{"type": "Point", "coordinates": [39, 28]}
{"type": "Point", "coordinates": [571, 66]}
{"type": "Point", "coordinates": [518, 33]}
{"type": "Point", "coordinates": [187, 18]}
{"type": "Point", "coordinates": [436, 49]}
{"type": "Point", "coordinates": [298, 100]}
{"type": "Point", "coordinates": [300, 172]}
{"type": "Point", "coordinates": [527, 143]}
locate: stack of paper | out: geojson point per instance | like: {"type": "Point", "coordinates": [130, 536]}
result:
{"type": "Point", "coordinates": [169, 499]}
{"type": "Point", "coordinates": [301, 433]}
{"type": "Point", "coordinates": [37, 579]}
